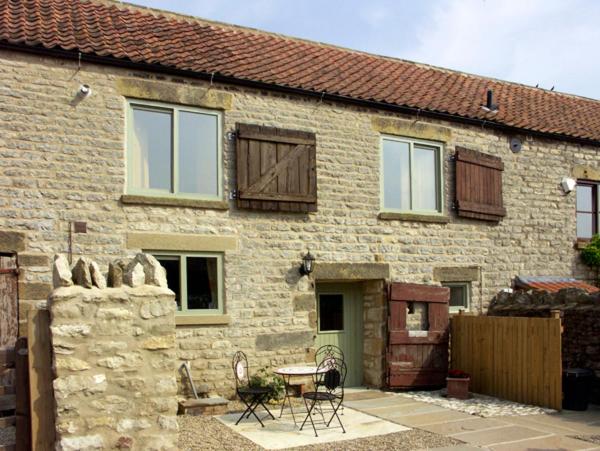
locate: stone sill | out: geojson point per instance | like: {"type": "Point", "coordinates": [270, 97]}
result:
{"type": "Point", "coordinates": [201, 320]}
{"type": "Point", "coordinates": [440, 219]}
{"type": "Point", "coordinates": [134, 199]}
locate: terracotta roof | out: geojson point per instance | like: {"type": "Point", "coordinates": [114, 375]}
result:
{"type": "Point", "coordinates": [145, 36]}
{"type": "Point", "coordinates": [552, 284]}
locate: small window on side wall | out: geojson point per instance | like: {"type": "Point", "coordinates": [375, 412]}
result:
{"type": "Point", "coordinates": [460, 296]}
{"type": "Point", "coordinates": [173, 151]}
{"type": "Point", "coordinates": [587, 209]}
{"type": "Point", "coordinates": [412, 176]}
{"type": "Point", "coordinates": [196, 279]}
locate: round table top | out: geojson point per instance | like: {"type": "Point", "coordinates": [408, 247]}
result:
{"type": "Point", "coordinates": [297, 370]}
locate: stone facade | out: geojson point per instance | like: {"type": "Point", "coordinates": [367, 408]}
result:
{"type": "Point", "coordinates": [64, 161]}
{"type": "Point", "coordinates": [114, 357]}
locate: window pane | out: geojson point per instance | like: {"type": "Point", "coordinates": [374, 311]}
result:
{"type": "Point", "coordinates": [396, 175]}
{"type": "Point", "coordinates": [584, 198]}
{"type": "Point", "coordinates": [458, 297]}
{"type": "Point", "coordinates": [198, 164]}
{"type": "Point", "coordinates": [585, 225]}
{"type": "Point", "coordinates": [202, 283]}
{"type": "Point", "coordinates": [172, 265]}
{"type": "Point", "coordinates": [331, 312]}
{"type": "Point", "coordinates": [425, 178]}
{"type": "Point", "coordinates": [151, 149]}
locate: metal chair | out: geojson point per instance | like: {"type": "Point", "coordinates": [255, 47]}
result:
{"type": "Point", "coordinates": [326, 352]}
{"type": "Point", "coordinates": [252, 397]}
{"type": "Point", "coordinates": [331, 375]}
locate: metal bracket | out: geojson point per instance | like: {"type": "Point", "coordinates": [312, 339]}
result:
{"type": "Point", "coordinates": [452, 157]}
{"type": "Point", "coordinates": [233, 194]}
{"type": "Point", "coordinates": [231, 136]}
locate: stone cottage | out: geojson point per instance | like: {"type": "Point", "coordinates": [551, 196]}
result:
{"type": "Point", "coordinates": [228, 153]}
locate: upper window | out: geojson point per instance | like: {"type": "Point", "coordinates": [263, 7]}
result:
{"type": "Point", "coordinates": [197, 281]}
{"type": "Point", "coordinates": [587, 209]}
{"type": "Point", "coordinates": [173, 150]}
{"type": "Point", "coordinates": [412, 176]}
{"type": "Point", "coordinates": [460, 295]}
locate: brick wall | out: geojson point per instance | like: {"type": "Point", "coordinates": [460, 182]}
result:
{"type": "Point", "coordinates": [64, 161]}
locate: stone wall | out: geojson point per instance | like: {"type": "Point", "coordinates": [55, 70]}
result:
{"type": "Point", "coordinates": [114, 354]}
{"type": "Point", "coordinates": [63, 161]}
{"type": "Point", "coordinates": [580, 313]}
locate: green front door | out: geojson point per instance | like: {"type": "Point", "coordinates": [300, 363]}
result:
{"type": "Point", "coordinates": [340, 323]}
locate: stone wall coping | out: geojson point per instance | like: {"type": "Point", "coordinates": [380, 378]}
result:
{"type": "Point", "coordinates": [201, 320]}
{"type": "Point", "coordinates": [181, 242]}
{"type": "Point", "coordinates": [135, 199]}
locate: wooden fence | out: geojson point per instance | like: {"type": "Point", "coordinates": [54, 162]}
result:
{"type": "Point", "coordinates": [513, 358]}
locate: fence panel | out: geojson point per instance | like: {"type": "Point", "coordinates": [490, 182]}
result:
{"type": "Point", "coordinates": [513, 358]}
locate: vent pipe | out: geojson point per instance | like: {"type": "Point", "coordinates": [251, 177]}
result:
{"type": "Point", "coordinates": [489, 104]}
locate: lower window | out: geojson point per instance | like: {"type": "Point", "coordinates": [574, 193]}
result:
{"type": "Point", "coordinates": [587, 209]}
{"type": "Point", "coordinates": [196, 279]}
{"type": "Point", "coordinates": [460, 296]}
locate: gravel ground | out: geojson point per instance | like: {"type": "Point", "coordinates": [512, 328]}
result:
{"type": "Point", "coordinates": [484, 406]}
{"type": "Point", "coordinates": [8, 436]}
{"type": "Point", "coordinates": [207, 433]}
{"type": "Point", "coordinates": [593, 438]}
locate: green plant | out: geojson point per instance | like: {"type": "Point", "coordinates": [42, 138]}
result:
{"type": "Point", "coordinates": [263, 378]}
{"type": "Point", "coordinates": [591, 255]}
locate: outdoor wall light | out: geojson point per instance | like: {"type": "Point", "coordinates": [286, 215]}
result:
{"type": "Point", "coordinates": [308, 264]}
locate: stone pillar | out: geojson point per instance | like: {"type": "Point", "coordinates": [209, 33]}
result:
{"type": "Point", "coordinates": [374, 324]}
{"type": "Point", "coordinates": [114, 354]}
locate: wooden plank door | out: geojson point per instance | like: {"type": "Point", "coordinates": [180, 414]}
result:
{"type": "Point", "coordinates": [340, 323]}
{"type": "Point", "coordinates": [417, 354]}
{"type": "Point", "coordinates": [9, 320]}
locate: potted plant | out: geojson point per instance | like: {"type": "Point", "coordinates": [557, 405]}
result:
{"type": "Point", "coordinates": [457, 384]}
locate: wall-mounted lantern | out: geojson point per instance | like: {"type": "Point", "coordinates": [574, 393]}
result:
{"type": "Point", "coordinates": [308, 264]}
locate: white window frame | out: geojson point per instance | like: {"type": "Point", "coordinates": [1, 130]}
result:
{"type": "Point", "coordinates": [440, 175]}
{"type": "Point", "coordinates": [174, 110]}
{"type": "Point", "coordinates": [468, 292]}
{"type": "Point", "coordinates": [183, 280]}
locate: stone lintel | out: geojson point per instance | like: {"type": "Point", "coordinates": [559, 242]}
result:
{"type": "Point", "coordinates": [170, 92]}
{"type": "Point", "coordinates": [584, 172]}
{"type": "Point", "coordinates": [411, 129]}
{"type": "Point", "coordinates": [12, 241]}
{"type": "Point", "coordinates": [274, 342]}
{"type": "Point", "coordinates": [34, 260]}
{"type": "Point", "coordinates": [34, 290]}
{"type": "Point", "coordinates": [456, 274]}
{"type": "Point", "coordinates": [180, 242]}
{"type": "Point", "coordinates": [351, 271]}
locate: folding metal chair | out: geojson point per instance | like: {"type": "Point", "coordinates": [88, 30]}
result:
{"type": "Point", "coordinates": [252, 397]}
{"type": "Point", "coordinates": [327, 352]}
{"type": "Point", "coordinates": [331, 375]}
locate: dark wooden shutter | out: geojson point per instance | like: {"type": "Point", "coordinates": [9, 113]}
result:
{"type": "Point", "coordinates": [479, 185]}
{"type": "Point", "coordinates": [276, 169]}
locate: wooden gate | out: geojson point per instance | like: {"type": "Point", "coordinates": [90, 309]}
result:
{"type": "Point", "coordinates": [9, 320]}
{"type": "Point", "coordinates": [513, 358]}
{"type": "Point", "coordinates": [417, 358]}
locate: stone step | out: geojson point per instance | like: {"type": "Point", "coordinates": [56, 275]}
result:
{"type": "Point", "coordinates": [7, 421]}
{"type": "Point", "coordinates": [7, 390]}
{"type": "Point", "coordinates": [203, 406]}
{"type": "Point", "coordinates": [7, 402]}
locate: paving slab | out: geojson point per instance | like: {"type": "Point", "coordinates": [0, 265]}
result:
{"type": "Point", "coordinates": [380, 402]}
{"type": "Point", "coordinates": [423, 419]}
{"type": "Point", "coordinates": [397, 411]}
{"type": "Point", "coordinates": [488, 437]}
{"type": "Point", "coordinates": [554, 442]}
{"type": "Point", "coordinates": [468, 425]}
{"type": "Point", "coordinates": [557, 423]}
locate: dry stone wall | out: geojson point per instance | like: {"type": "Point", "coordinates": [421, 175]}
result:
{"type": "Point", "coordinates": [61, 162]}
{"type": "Point", "coordinates": [115, 356]}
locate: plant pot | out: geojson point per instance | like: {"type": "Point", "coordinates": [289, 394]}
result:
{"type": "Point", "coordinates": [458, 387]}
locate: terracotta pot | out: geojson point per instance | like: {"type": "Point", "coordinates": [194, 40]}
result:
{"type": "Point", "coordinates": [458, 387]}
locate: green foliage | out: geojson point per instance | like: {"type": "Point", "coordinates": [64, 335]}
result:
{"type": "Point", "coordinates": [265, 379]}
{"type": "Point", "coordinates": [591, 253]}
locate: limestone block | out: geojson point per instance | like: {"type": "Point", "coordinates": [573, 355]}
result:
{"type": "Point", "coordinates": [61, 273]}
{"type": "Point", "coordinates": [115, 273]}
{"type": "Point", "coordinates": [81, 443]}
{"type": "Point", "coordinates": [72, 364]}
{"type": "Point", "coordinates": [154, 343]}
{"type": "Point", "coordinates": [81, 273]}
{"type": "Point", "coordinates": [155, 273]}
{"type": "Point", "coordinates": [134, 276]}
{"type": "Point", "coordinates": [88, 384]}
{"type": "Point", "coordinates": [98, 279]}
{"type": "Point", "coordinates": [71, 330]}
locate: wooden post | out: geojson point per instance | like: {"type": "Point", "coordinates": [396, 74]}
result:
{"type": "Point", "coordinates": [556, 315]}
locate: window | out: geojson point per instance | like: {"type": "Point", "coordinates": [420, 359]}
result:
{"type": "Point", "coordinates": [173, 151]}
{"type": "Point", "coordinates": [196, 279]}
{"type": "Point", "coordinates": [460, 295]}
{"type": "Point", "coordinates": [587, 209]}
{"type": "Point", "coordinates": [331, 312]}
{"type": "Point", "coordinates": [412, 176]}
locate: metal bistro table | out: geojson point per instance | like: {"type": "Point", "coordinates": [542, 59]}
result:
{"type": "Point", "coordinates": [286, 374]}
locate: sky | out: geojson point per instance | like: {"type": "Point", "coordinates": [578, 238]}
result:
{"type": "Point", "coordinates": [546, 42]}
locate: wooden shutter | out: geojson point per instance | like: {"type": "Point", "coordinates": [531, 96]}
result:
{"type": "Point", "coordinates": [276, 169]}
{"type": "Point", "coordinates": [479, 185]}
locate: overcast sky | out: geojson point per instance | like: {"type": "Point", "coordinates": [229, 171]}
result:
{"type": "Point", "coordinates": [550, 42]}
